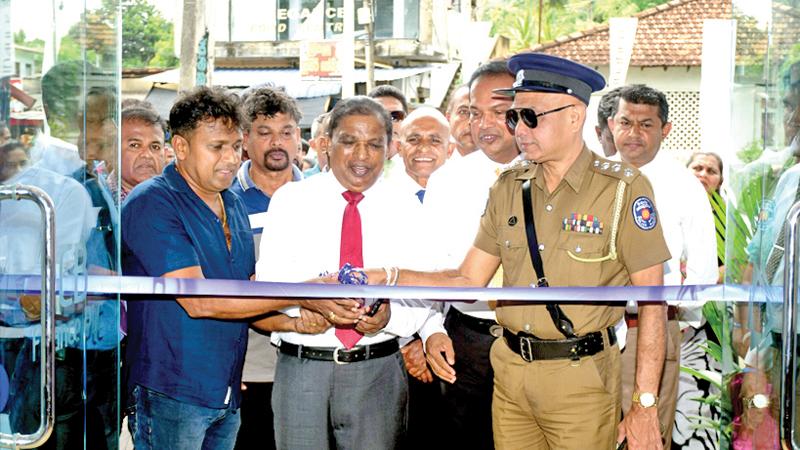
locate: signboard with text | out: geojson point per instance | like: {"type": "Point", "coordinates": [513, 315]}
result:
{"type": "Point", "coordinates": [318, 61]}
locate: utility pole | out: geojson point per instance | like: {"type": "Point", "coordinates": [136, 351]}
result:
{"type": "Point", "coordinates": [191, 32]}
{"type": "Point", "coordinates": [369, 50]}
{"type": "Point", "coordinates": [345, 50]}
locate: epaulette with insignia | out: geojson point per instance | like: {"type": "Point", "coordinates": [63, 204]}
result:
{"type": "Point", "coordinates": [517, 167]}
{"type": "Point", "coordinates": [615, 169]}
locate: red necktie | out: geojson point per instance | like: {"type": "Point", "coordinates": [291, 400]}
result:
{"type": "Point", "coordinates": [350, 252]}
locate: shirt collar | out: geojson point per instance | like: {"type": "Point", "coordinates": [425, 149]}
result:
{"type": "Point", "coordinates": [247, 183]}
{"type": "Point", "coordinates": [574, 176]}
{"type": "Point", "coordinates": [175, 180]}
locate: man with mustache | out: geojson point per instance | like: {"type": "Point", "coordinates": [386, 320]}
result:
{"type": "Point", "coordinates": [639, 123]}
{"type": "Point", "coordinates": [142, 149]}
{"type": "Point", "coordinates": [186, 355]}
{"type": "Point", "coordinates": [271, 139]}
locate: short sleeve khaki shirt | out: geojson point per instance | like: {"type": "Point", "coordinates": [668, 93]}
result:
{"type": "Point", "coordinates": [573, 222]}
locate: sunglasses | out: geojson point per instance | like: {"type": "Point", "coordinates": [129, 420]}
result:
{"type": "Point", "coordinates": [397, 116]}
{"type": "Point", "coordinates": [529, 117]}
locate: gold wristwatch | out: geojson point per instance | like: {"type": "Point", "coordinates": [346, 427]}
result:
{"type": "Point", "coordinates": [645, 399]}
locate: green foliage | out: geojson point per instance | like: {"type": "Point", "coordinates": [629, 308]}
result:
{"type": "Point", "coordinates": [718, 208]}
{"type": "Point", "coordinates": [147, 36]}
{"type": "Point", "coordinates": [750, 152]}
{"type": "Point", "coordinates": [518, 20]}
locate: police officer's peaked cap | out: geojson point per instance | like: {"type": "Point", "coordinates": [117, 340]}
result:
{"type": "Point", "coordinates": [539, 72]}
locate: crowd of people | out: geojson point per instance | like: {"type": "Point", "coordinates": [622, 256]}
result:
{"type": "Point", "coordinates": [499, 189]}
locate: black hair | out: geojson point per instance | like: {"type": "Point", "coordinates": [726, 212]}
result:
{"type": "Point", "coordinates": [711, 154]}
{"type": "Point", "coordinates": [268, 101]}
{"type": "Point", "coordinates": [609, 103]}
{"type": "Point", "coordinates": [492, 68]}
{"type": "Point", "coordinates": [12, 144]}
{"type": "Point", "coordinates": [143, 114]}
{"type": "Point", "coordinates": [204, 103]}
{"type": "Point", "coordinates": [359, 105]}
{"type": "Point", "coordinates": [387, 90]}
{"type": "Point", "coordinates": [452, 102]}
{"type": "Point", "coordinates": [641, 94]}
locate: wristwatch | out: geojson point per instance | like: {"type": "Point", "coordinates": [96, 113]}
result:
{"type": "Point", "coordinates": [758, 401]}
{"type": "Point", "coordinates": [645, 399]}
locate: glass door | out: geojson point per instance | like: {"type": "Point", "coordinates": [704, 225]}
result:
{"type": "Point", "coordinates": [59, 345]}
{"type": "Point", "coordinates": [760, 373]}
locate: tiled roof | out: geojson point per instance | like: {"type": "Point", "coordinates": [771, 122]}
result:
{"type": "Point", "coordinates": [670, 34]}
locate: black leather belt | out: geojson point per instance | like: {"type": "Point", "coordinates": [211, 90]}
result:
{"type": "Point", "coordinates": [531, 348]}
{"type": "Point", "coordinates": [340, 355]}
{"type": "Point", "coordinates": [483, 326]}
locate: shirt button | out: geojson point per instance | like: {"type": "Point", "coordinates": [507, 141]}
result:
{"type": "Point", "coordinates": [548, 207]}
{"type": "Point", "coordinates": [508, 244]}
{"type": "Point", "coordinates": [578, 249]}
{"type": "Point", "coordinates": [541, 247]}
{"type": "Point", "coordinates": [527, 327]}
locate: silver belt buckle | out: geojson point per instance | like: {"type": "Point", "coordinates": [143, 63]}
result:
{"type": "Point", "coordinates": [336, 356]}
{"type": "Point", "coordinates": [525, 349]}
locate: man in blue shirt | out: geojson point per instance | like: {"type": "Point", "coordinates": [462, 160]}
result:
{"type": "Point", "coordinates": [271, 140]}
{"type": "Point", "coordinates": [185, 356]}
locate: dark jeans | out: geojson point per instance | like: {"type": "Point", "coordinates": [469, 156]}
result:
{"type": "Point", "coordinates": [256, 431]}
{"type": "Point", "coordinates": [467, 405]}
{"type": "Point", "coordinates": [95, 415]}
{"type": "Point", "coordinates": [160, 422]}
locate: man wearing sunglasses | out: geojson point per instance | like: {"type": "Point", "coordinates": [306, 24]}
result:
{"type": "Point", "coordinates": [589, 222]}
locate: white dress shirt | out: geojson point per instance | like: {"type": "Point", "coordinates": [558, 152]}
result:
{"type": "Point", "coordinates": [454, 202]}
{"type": "Point", "coordinates": [315, 207]}
{"type": "Point", "coordinates": [21, 235]}
{"type": "Point", "coordinates": [688, 225]}
{"type": "Point", "coordinates": [686, 219]}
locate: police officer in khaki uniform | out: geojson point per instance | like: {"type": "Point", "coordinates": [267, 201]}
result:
{"type": "Point", "coordinates": [557, 367]}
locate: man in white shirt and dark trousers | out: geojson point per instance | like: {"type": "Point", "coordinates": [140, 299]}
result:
{"type": "Point", "coordinates": [455, 200]}
{"type": "Point", "coordinates": [424, 144]}
{"type": "Point", "coordinates": [318, 402]}
{"type": "Point", "coordinates": [639, 124]}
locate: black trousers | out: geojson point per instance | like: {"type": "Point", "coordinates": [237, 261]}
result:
{"type": "Point", "coordinates": [424, 416]}
{"type": "Point", "coordinates": [468, 402]}
{"type": "Point", "coordinates": [256, 431]}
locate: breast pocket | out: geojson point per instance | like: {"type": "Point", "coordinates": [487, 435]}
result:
{"type": "Point", "coordinates": [583, 254]}
{"type": "Point", "coordinates": [514, 255]}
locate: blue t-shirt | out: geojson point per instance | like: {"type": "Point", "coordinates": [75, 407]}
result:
{"type": "Point", "coordinates": [166, 227]}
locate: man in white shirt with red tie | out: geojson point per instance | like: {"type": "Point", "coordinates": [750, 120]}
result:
{"type": "Point", "coordinates": [346, 387]}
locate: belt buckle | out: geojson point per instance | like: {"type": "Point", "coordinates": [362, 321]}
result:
{"type": "Point", "coordinates": [525, 349]}
{"type": "Point", "coordinates": [336, 356]}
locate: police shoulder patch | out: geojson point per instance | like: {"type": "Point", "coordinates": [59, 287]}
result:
{"type": "Point", "coordinates": [644, 213]}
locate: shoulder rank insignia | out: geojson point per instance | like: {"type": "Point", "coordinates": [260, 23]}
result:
{"type": "Point", "coordinates": [644, 213]}
{"type": "Point", "coordinates": [582, 223]}
{"type": "Point", "coordinates": [614, 169]}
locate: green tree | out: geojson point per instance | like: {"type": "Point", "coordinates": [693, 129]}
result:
{"type": "Point", "coordinates": [146, 35]}
{"type": "Point", "coordinates": [518, 20]}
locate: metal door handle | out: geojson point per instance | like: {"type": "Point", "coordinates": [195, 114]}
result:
{"type": "Point", "coordinates": [48, 298]}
